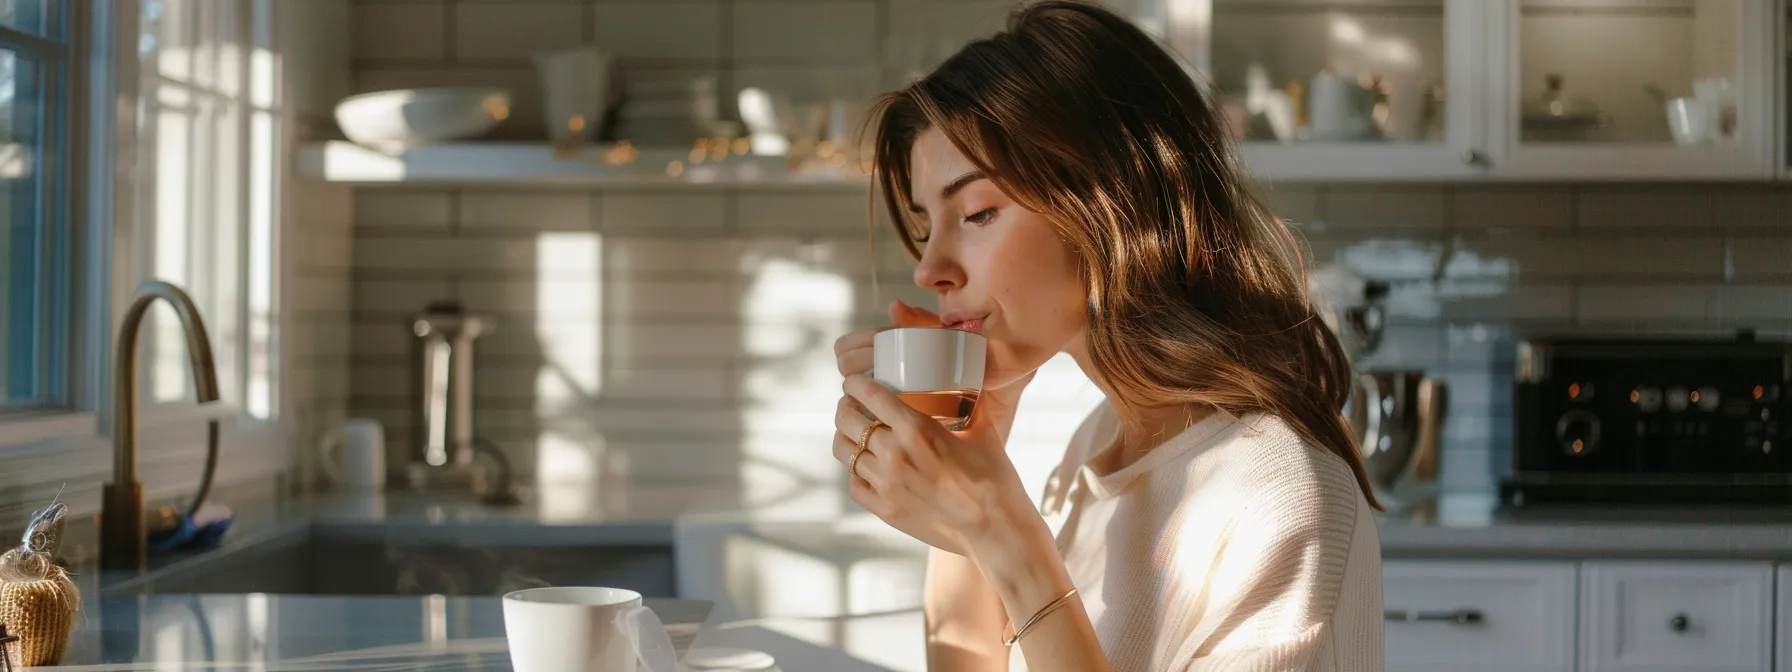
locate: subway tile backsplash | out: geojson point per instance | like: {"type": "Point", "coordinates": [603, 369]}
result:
{"type": "Point", "coordinates": [513, 30]}
{"type": "Point", "coordinates": [694, 306]}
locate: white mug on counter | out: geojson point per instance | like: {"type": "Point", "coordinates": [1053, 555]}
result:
{"type": "Point", "coordinates": [354, 456]}
{"type": "Point", "coordinates": [572, 629]}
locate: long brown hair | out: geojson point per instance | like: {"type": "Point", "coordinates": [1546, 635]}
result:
{"type": "Point", "coordinates": [1197, 293]}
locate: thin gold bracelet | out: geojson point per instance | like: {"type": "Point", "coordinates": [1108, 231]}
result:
{"type": "Point", "coordinates": [1010, 640]}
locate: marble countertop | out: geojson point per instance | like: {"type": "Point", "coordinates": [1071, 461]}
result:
{"type": "Point", "coordinates": [804, 575]}
{"type": "Point", "coordinates": [306, 633]}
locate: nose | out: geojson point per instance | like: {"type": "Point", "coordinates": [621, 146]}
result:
{"type": "Point", "coordinates": [938, 271]}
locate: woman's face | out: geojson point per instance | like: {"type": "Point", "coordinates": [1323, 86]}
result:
{"type": "Point", "coordinates": [997, 268]}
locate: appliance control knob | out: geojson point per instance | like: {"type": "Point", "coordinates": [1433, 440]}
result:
{"type": "Point", "coordinates": [1648, 399]}
{"type": "Point", "coordinates": [1578, 433]}
{"type": "Point", "coordinates": [1707, 398]}
{"type": "Point", "coordinates": [1678, 398]}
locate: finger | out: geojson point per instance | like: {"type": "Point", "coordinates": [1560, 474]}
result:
{"type": "Point", "coordinates": [869, 468]}
{"type": "Point", "coordinates": [863, 338]}
{"type": "Point", "coordinates": [856, 360]}
{"type": "Point", "coordinates": [910, 316]}
{"type": "Point", "coordinates": [843, 448]}
{"type": "Point", "coordinates": [871, 471]}
{"type": "Point", "coordinates": [885, 405]}
{"type": "Point", "coordinates": [849, 421]}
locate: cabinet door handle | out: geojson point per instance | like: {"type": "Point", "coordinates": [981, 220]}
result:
{"type": "Point", "coordinates": [1470, 616]}
{"type": "Point", "coordinates": [1679, 623]}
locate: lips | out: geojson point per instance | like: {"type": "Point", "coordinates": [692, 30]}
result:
{"type": "Point", "coordinates": [970, 322]}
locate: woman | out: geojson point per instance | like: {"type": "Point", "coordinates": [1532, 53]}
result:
{"type": "Point", "coordinates": [1067, 188]}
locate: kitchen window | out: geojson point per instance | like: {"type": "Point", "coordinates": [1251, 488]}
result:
{"type": "Point", "coordinates": [205, 185]}
{"type": "Point", "coordinates": [35, 270]}
{"type": "Point", "coordinates": [195, 204]}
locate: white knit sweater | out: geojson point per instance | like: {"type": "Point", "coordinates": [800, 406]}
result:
{"type": "Point", "coordinates": [1233, 546]}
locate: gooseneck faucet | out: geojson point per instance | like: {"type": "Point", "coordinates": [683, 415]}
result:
{"type": "Point", "coordinates": [122, 544]}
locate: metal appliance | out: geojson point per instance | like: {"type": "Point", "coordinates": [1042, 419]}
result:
{"type": "Point", "coordinates": [1652, 421]}
{"type": "Point", "coordinates": [443, 442]}
{"type": "Point", "coordinates": [1398, 418]}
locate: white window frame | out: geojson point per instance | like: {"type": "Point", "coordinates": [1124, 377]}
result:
{"type": "Point", "coordinates": [106, 76]}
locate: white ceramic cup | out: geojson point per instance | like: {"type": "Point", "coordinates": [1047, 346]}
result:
{"type": "Point", "coordinates": [575, 82]}
{"type": "Point", "coordinates": [354, 457]}
{"type": "Point", "coordinates": [1688, 121]}
{"type": "Point", "coordinates": [928, 359]}
{"type": "Point", "coordinates": [570, 629]}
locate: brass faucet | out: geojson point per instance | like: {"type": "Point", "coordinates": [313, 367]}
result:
{"type": "Point", "coordinates": [122, 544]}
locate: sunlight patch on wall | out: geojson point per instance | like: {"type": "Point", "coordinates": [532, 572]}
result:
{"type": "Point", "coordinates": [791, 315]}
{"type": "Point", "coordinates": [569, 455]}
{"type": "Point", "coordinates": [569, 272]}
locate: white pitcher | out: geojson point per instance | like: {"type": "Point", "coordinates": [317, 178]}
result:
{"type": "Point", "coordinates": [575, 88]}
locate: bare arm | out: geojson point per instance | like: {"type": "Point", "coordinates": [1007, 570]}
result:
{"type": "Point", "coordinates": [1020, 563]}
{"type": "Point", "coordinates": [964, 617]}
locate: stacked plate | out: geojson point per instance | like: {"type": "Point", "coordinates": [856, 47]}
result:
{"type": "Point", "coordinates": [671, 112]}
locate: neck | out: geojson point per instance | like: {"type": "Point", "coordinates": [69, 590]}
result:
{"type": "Point", "coordinates": [1142, 426]}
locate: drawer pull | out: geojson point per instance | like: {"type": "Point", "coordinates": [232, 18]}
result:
{"type": "Point", "coordinates": [1458, 616]}
{"type": "Point", "coordinates": [1679, 623]}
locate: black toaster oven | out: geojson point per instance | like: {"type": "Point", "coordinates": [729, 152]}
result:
{"type": "Point", "coordinates": [1652, 421]}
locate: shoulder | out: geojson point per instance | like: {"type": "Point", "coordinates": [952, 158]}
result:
{"type": "Point", "coordinates": [1280, 484]}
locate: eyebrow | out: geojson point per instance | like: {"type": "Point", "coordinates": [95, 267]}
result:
{"type": "Point", "coordinates": [951, 188]}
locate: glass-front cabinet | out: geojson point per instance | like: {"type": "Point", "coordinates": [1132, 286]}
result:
{"type": "Point", "coordinates": [1632, 88]}
{"type": "Point", "coordinates": [1321, 88]}
{"type": "Point", "coordinates": [1455, 89]}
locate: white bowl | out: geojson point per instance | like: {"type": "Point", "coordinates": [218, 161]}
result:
{"type": "Point", "coordinates": [392, 121]}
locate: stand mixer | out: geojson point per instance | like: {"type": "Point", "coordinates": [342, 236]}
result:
{"type": "Point", "coordinates": [1397, 415]}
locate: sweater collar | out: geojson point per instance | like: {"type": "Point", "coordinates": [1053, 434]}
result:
{"type": "Point", "coordinates": [1107, 436]}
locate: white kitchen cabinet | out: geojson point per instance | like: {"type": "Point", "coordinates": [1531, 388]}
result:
{"type": "Point", "coordinates": [1672, 616]}
{"type": "Point", "coordinates": [1452, 88]}
{"type": "Point", "coordinates": [1643, 88]}
{"type": "Point", "coordinates": [1783, 108]}
{"type": "Point", "coordinates": [1478, 616]}
{"type": "Point", "coordinates": [1288, 75]}
{"type": "Point", "coordinates": [1782, 630]}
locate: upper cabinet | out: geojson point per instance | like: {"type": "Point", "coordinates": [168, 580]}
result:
{"type": "Point", "coordinates": [1488, 89]}
{"type": "Point", "coordinates": [1783, 120]}
{"type": "Point", "coordinates": [1321, 90]}
{"type": "Point", "coordinates": [1632, 88]}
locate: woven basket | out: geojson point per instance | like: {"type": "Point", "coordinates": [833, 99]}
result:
{"type": "Point", "coordinates": [38, 604]}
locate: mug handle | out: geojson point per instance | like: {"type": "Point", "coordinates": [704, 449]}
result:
{"type": "Point", "coordinates": [330, 457]}
{"type": "Point", "coordinates": [652, 644]}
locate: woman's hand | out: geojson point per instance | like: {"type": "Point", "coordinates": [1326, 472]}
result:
{"type": "Point", "coordinates": [938, 486]}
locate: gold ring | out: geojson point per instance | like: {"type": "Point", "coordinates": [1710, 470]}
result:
{"type": "Point", "coordinates": [865, 436]}
{"type": "Point", "coordinates": [852, 465]}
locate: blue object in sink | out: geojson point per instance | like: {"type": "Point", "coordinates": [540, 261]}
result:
{"type": "Point", "coordinates": [178, 532]}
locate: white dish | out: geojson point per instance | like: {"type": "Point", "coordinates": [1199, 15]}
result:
{"type": "Point", "coordinates": [393, 121]}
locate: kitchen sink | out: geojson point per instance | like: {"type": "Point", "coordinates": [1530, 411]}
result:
{"type": "Point", "coordinates": [316, 560]}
